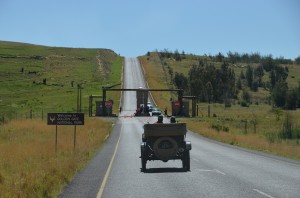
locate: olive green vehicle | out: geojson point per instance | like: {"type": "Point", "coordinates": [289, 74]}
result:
{"type": "Point", "coordinates": [165, 142]}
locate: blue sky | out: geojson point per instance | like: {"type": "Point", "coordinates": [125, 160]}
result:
{"type": "Point", "coordinates": [134, 27]}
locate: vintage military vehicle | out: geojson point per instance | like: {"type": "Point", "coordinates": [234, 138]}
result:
{"type": "Point", "coordinates": [165, 142]}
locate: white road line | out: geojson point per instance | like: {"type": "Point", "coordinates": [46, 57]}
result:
{"type": "Point", "coordinates": [195, 160]}
{"type": "Point", "coordinates": [100, 192]}
{"type": "Point", "coordinates": [204, 170]}
{"type": "Point", "coordinates": [262, 193]}
{"type": "Point", "coordinates": [219, 172]}
{"type": "Point", "coordinates": [209, 170]}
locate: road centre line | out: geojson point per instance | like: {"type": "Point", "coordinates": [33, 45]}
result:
{"type": "Point", "coordinates": [100, 192]}
{"type": "Point", "coordinates": [262, 193]}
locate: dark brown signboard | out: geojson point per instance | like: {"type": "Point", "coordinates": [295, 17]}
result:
{"type": "Point", "coordinates": [65, 118]}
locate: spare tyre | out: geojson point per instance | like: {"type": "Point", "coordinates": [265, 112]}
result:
{"type": "Point", "coordinates": [165, 148]}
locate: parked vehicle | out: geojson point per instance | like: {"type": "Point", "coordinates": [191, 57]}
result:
{"type": "Point", "coordinates": [156, 112]}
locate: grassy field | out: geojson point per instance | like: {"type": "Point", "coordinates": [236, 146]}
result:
{"type": "Point", "coordinates": [35, 80]}
{"type": "Point", "coordinates": [256, 127]}
{"type": "Point", "coordinates": [29, 166]}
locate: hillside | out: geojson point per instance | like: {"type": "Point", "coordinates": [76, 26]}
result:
{"type": "Point", "coordinates": [256, 124]}
{"type": "Point", "coordinates": [44, 79]}
{"type": "Point", "coordinates": [172, 64]}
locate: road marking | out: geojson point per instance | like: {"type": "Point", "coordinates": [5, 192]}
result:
{"type": "Point", "coordinates": [262, 193]}
{"type": "Point", "coordinates": [195, 160]}
{"type": "Point", "coordinates": [209, 170]}
{"type": "Point", "coordinates": [219, 172]}
{"type": "Point", "coordinates": [204, 170]}
{"type": "Point", "coordinates": [100, 192]}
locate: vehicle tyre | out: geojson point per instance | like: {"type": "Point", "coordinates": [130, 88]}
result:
{"type": "Point", "coordinates": [183, 162]}
{"type": "Point", "coordinates": [143, 157]}
{"type": "Point", "coordinates": [186, 161]}
{"type": "Point", "coordinates": [143, 161]}
{"type": "Point", "coordinates": [165, 148]}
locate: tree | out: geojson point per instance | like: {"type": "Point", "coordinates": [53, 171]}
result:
{"type": "Point", "coordinates": [255, 86]}
{"type": "Point", "coordinates": [249, 76]}
{"type": "Point", "coordinates": [239, 84]}
{"type": "Point", "coordinates": [180, 81]}
{"type": "Point", "coordinates": [268, 63]}
{"type": "Point", "coordinates": [255, 57]}
{"type": "Point", "coordinates": [242, 75]}
{"type": "Point", "coordinates": [281, 73]}
{"type": "Point", "coordinates": [211, 84]}
{"type": "Point", "coordinates": [246, 96]}
{"type": "Point", "coordinates": [220, 57]}
{"type": "Point", "coordinates": [292, 100]}
{"type": "Point", "coordinates": [233, 57]}
{"type": "Point", "coordinates": [272, 79]}
{"type": "Point", "coordinates": [177, 56]}
{"type": "Point", "coordinates": [245, 58]}
{"type": "Point", "coordinates": [278, 74]}
{"type": "Point", "coordinates": [259, 73]}
{"type": "Point", "coordinates": [209, 91]}
{"type": "Point", "coordinates": [279, 93]}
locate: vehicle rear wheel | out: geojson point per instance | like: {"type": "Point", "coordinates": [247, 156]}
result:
{"type": "Point", "coordinates": [144, 161]}
{"type": "Point", "coordinates": [143, 158]}
{"type": "Point", "coordinates": [186, 161]}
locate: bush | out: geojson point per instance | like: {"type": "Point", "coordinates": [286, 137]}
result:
{"type": "Point", "coordinates": [286, 132]}
{"type": "Point", "coordinates": [244, 103]}
{"type": "Point", "coordinates": [246, 96]}
{"type": "Point", "coordinates": [296, 133]}
{"type": "Point", "coordinates": [279, 94]}
{"type": "Point", "coordinates": [291, 100]}
{"type": "Point", "coordinates": [219, 127]}
{"type": "Point", "coordinates": [216, 127]}
{"type": "Point", "coordinates": [271, 137]}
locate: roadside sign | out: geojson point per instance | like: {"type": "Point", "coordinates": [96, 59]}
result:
{"type": "Point", "coordinates": [65, 118]}
{"type": "Point", "coordinates": [176, 103]}
{"type": "Point", "coordinates": [108, 104]}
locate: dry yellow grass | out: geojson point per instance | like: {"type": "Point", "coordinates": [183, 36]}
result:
{"type": "Point", "coordinates": [252, 141]}
{"type": "Point", "coordinates": [29, 165]}
{"type": "Point", "coordinates": [156, 79]}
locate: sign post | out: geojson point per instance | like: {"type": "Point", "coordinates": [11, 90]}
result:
{"type": "Point", "coordinates": [65, 119]}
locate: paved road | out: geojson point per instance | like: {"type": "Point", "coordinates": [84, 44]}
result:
{"type": "Point", "coordinates": [217, 169]}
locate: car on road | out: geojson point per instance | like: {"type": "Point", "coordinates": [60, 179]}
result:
{"type": "Point", "coordinates": [156, 112]}
{"type": "Point", "coordinates": [165, 142]}
{"type": "Point", "coordinates": [150, 107]}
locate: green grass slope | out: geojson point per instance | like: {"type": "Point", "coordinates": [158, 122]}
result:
{"type": "Point", "coordinates": [40, 78]}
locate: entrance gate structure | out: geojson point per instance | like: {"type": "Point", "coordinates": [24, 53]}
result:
{"type": "Point", "coordinates": [142, 98]}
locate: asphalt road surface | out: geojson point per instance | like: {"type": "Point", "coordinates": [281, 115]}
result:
{"type": "Point", "coordinates": [217, 169]}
